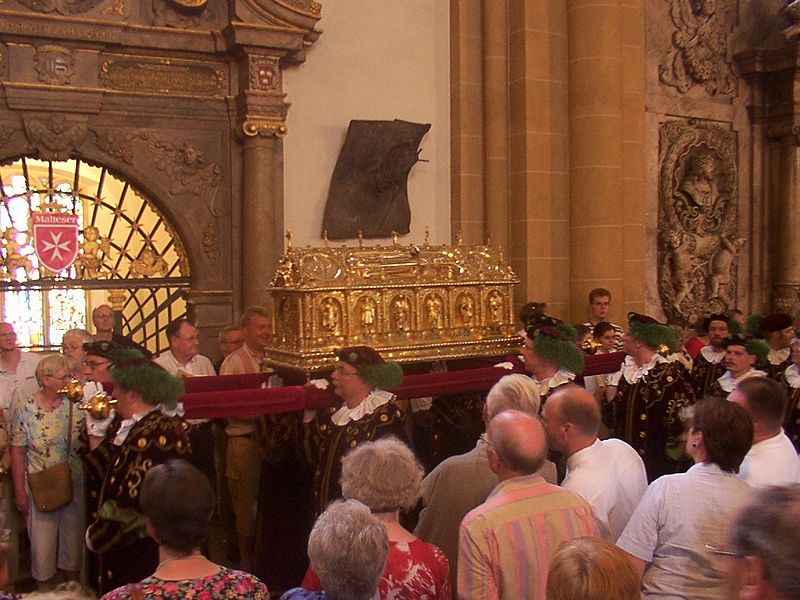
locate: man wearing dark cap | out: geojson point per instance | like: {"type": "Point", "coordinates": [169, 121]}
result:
{"type": "Point", "coordinates": [742, 355]}
{"type": "Point", "coordinates": [551, 355]}
{"type": "Point", "coordinates": [147, 433]}
{"type": "Point", "coordinates": [778, 331]}
{"type": "Point", "coordinates": [647, 395]}
{"type": "Point", "coordinates": [360, 378]}
{"type": "Point", "coordinates": [708, 365]}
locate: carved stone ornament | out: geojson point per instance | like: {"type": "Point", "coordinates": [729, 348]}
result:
{"type": "Point", "coordinates": [55, 137]}
{"type": "Point", "coordinates": [697, 237]}
{"type": "Point", "coordinates": [792, 12]}
{"type": "Point", "coordinates": [265, 73]}
{"type": "Point", "coordinates": [5, 133]}
{"type": "Point", "coordinates": [264, 128]}
{"type": "Point", "coordinates": [180, 14]}
{"type": "Point", "coordinates": [116, 144]}
{"type": "Point", "coordinates": [54, 64]}
{"type": "Point", "coordinates": [699, 52]}
{"type": "Point", "coordinates": [63, 7]}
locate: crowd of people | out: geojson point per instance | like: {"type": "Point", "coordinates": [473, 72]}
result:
{"type": "Point", "coordinates": [672, 477]}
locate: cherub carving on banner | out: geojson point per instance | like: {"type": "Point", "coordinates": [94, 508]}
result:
{"type": "Point", "coordinates": [90, 261]}
{"type": "Point", "coordinates": [13, 258]}
{"type": "Point", "coordinates": [699, 49]}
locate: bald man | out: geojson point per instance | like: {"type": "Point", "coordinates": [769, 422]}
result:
{"type": "Point", "coordinates": [507, 542]}
{"type": "Point", "coordinates": [608, 474]}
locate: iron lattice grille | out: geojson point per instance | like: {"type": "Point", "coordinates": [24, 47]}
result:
{"type": "Point", "coordinates": [137, 250]}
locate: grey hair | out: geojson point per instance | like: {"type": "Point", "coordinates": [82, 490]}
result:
{"type": "Point", "coordinates": [223, 333]}
{"type": "Point", "coordinates": [84, 335]}
{"type": "Point", "coordinates": [253, 311]}
{"type": "Point", "coordinates": [49, 365]}
{"type": "Point", "coordinates": [769, 529]}
{"type": "Point", "coordinates": [347, 549]}
{"type": "Point", "coordinates": [70, 590]}
{"type": "Point", "coordinates": [384, 474]}
{"type": "Point", "coordinates": [513, 392]}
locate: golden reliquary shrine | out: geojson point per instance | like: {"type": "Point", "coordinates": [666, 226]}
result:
{"type": "Point", "coordinates": [411, 303]}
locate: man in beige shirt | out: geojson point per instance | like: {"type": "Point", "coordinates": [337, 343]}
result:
{"type": "Point", "coordinates": [243, 456]}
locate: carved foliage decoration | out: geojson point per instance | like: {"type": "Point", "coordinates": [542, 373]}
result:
{"type": "Point", "coordinates": [697, 239]}
{"type": "Point", "coordinates": [63, 7]}
{"type": "Point", "coordinates": [55, 137]}
{"type": "Point", "coordinates": [699, 52]}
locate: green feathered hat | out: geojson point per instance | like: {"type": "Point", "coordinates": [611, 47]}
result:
{"type": "Point", "coordinates": [652, 333]}
{"type": "Point", "coordinates": [132, 372]}
{"type": "Point", "coordinates": [556, 342]}
{"type": "Point", "coordinates": [371, 367]}
{"type": "Point", "coordinates": [752, 345]}
{"type": "Point", "coordinates": [753, 324]}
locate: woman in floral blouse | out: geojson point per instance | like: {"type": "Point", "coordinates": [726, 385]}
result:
{"type": "Point", "coordinates": [39, 438]}
{"type": "Point", "coordinates": [177, 502]}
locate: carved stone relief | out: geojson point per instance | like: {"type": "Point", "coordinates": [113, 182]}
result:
{"type": "Point", "coordinates": [63, 7]}
{"type": "Point", "coordinates": [697, 238]}
{"type": "Point", "coordinates": [699, 52]}
{"type": "Point", "coordinates": [187, 170]}
{"type": "Point", "coordinates": [55, 137]}
{"type": "Point", "coordinates": [5, 133]}
{"type": "Point", "coordinates": [54, 64]}
{"type": "Point", "coordinates": [180, 14]}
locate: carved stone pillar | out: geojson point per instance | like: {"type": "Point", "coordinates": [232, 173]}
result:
{"type": "Point", "coordinates": [774, 72]}
{"type": "Point", "coordinates": [786, 208]}
{"type": "Point", "coordinates": [595, 150]}
{"type": "Point", "coordinates": [262, 207]}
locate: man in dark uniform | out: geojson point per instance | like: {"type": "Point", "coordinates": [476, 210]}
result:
{"type": "Point", "coordinates": [650, 393]}
{"type": "Point", "coordinates": [709, 364]}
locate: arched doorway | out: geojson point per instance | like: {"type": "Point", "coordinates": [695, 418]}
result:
{"type": "Point", "coordinates": [125, 253]}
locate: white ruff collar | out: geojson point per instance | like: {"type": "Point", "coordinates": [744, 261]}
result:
{"type": "Point", "coordinates": [126, 426]}
{"type": "Point", "coordinates": [792, 375]}
{"type": "Point", "coordinates": [728, 383]}
{"type": "Point", "coordinates": [368, 406]}
{"type": "Point", "coordinates": [633, 373]}
{"type": "Point", "coordinates": [711, 355]}
{"type": "Point", "coordinates": [776, 357]}
{"type": "Point", "coordinates": [560, 377]}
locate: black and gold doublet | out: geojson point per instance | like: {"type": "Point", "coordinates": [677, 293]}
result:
{"type": "Point", "coordinates": [704, 375]}
{"type": "Point", "coordinates": [117, 535]}
{"type": "Point", "coordinates": [647, 415]}
{"type": "Point", "coordinates": [329, 442]}
{"type": "Point", "coordinates": [791, 425]}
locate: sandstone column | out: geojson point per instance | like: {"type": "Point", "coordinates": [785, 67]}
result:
{"type": "Point", "coordinates": [262, 207]}
{"type": "Point", "coordinates": [786, 211]}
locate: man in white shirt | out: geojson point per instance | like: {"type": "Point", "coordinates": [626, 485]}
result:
{"type": "Point", "coordinates": [608, 474]}
{"type": "Point", "coordinates": [182, 358]}
{"type": "Point", "coordinates": [772, 459]}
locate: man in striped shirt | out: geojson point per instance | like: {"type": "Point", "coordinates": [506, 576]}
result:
{"type": "Point", "coordinates": [506, 543]}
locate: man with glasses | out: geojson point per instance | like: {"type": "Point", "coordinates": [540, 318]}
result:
{"type": "Point", "coordinates": [231, 338]}
{"type": "Point", "coordinates": [183, 360]}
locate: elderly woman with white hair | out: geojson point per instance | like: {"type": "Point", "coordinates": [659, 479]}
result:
{"type": "Point", "coordinates": [386, 476]}
{"type": "Point", "coordinates": [45, 432]}
{"type": "Point", "coordinates": [348, 548]}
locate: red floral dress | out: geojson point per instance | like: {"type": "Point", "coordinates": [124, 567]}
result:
{"type": "Point", "coordinates": [226, 583]}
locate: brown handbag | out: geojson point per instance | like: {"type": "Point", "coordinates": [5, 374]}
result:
{"type": "Point", "coordinates": [51, 488]}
